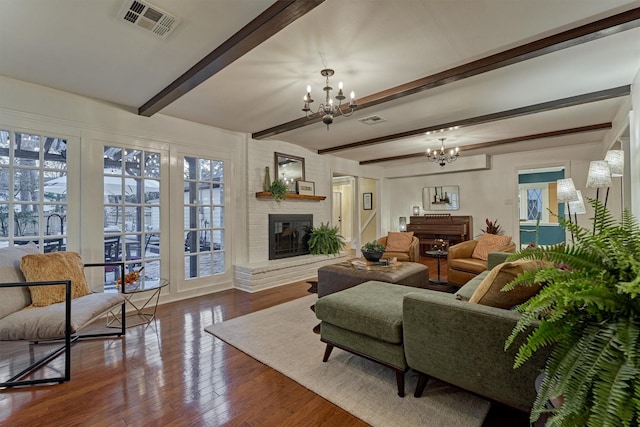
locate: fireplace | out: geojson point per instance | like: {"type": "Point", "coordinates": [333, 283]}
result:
{"type": "Point", "coordinates": [288, 235]}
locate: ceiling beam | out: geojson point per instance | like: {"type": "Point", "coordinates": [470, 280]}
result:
{"type": "Point", "coordinates": [488, 118]}
{"type": "Point", "coordinates": [573, 37]}
{"type": "Point", "coordinates": [552, 134]}
{"type": "Point", "coordinates": [268, 23]}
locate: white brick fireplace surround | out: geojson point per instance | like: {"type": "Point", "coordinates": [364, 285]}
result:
{"type": "Point", "coordinates": [268, 274]}
{"type": "Point", "coordinates": [256, 272]}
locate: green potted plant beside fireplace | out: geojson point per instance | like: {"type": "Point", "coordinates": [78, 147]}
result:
{"type": "Point", "coordinates": [325, 240]}
{"type": "Point", "coordinates": [588, 313]}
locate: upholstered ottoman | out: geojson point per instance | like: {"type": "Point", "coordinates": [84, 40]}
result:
{"type": "Point", "coordinates": [366, 320]}
{"type": "Point", "coordinates": [343, 275]}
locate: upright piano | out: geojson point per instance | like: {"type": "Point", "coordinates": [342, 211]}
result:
{"type": "Point", "coordinates": [451, 228]}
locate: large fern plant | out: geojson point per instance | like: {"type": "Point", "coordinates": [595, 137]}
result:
{"type": "Point", "coordinates": [588, 311]}
{"type": "Point", "coordinates": [325, 240]}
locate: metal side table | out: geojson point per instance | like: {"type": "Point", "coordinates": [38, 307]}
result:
{"type": "Point", "coordinates": [145, 310]}
{"type": "Point", "coordinates": [439, 255]}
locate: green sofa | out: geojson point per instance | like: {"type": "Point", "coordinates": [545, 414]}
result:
{"type": "Point", "coordinates": [461, 343]}
{"type": "Point", "coordinates": [434, 333]}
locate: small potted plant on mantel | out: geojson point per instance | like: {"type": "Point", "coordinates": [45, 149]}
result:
{"type": "Point", "coordinates": [588, 313]}
{"type": "Point", "coordinates": [278, 190]}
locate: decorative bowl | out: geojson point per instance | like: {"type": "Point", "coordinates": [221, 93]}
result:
{"type": "Point", "coordinates": [372, 256]}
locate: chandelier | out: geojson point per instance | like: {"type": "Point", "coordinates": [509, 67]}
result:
{"type": "Point", "coordinates": [329, 110]}
{"type": "Point", "coordinates": [441, 157]}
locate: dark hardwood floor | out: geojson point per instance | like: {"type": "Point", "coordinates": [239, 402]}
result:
{"type": "Point", "coordinates": [172, 373]}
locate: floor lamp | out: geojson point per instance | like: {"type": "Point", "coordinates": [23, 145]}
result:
{"type": "Point", "coordinates": [615, 159]}
{"type": "Point", "coordinates": [566, 193]}
{"type": "Point", "coordinates": [576, 207]}
{"type": "Point", "coordinates": [599, 177]}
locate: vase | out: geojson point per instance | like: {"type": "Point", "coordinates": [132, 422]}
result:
{"type": "Point", "coordinates": [266, 185]}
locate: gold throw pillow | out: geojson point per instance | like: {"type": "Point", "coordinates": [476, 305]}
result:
{"type": "Point", "coordinates": [54, 266]}
{"type": "Point", "coordinates": [489, 291]}
{"type": "Point", "coordinates": [489, 243]}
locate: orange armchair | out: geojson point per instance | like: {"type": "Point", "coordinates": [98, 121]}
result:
{"type": "Point", "coordinates": [412, 255]}
{"type": "Point", "coordinates": [462, 267]}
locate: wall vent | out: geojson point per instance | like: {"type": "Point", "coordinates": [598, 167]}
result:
{"type": "Point", "coordinates": [372, 120]}
{"type": "Point", "coordinates": [148, 18]}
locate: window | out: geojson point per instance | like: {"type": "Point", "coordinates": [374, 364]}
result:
{"type": "Point", "coordinates": [534, 201]}
{"type": "Point", "coordinates": [204, 252]}
{"type": "Point", "coordinates": [132, 208]}
{"type": "Point", "coordinates": [33, 190]}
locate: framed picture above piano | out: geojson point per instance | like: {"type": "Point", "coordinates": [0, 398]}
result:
{"type": "Point", "coordinates": [443, 198]}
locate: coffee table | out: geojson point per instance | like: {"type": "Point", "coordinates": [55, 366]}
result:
{"type": "Point", "coordinates": [343, 275]}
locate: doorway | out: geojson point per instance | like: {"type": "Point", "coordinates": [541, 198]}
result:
{"type": "Point", "coordinates": [342, 205]}
{"type": "Point", "coordinates": [538, 207]}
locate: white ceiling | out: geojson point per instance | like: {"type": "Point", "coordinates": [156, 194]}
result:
{"type": "Point", "coordinates": [81, 47]}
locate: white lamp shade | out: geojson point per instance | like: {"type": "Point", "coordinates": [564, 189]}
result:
{"type": "Point", "coordinates": [599, 174]}
{"type": "Point", "coordinates": [403, 223]}
{"type": "Point", "coordinates": [576, 207]}
{"type": "Point", "coordinates": [615, 158]}
{"type": "Point", "coordinates": [566, 191]}
{"type": "Point", "coordinates": [416, 210]}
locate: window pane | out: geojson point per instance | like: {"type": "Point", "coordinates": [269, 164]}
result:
{"type": "Point", "coordinates": [55, 186]}
{"type": "Point", "coordinates": [152, 165]}
{"type": "Point", "coordinates": [27, 151]}
{"type": "Point", "coordinates": [5, 174]}
{"type": "Point", "coordinates": [218, 194]}
{"type": "Point", "coordinates": [205, 169]}
{"type": "Point", "coordinates": [534, 203]}
{"type": "Point", "coordinates": [55, 153]}
{"type": "Point", "coordinates": [217, 218]}
{"type": "Point", "coordinates": [4, 220]}
{"type": "Point", "coordinates": [152, 218]}
{"type": "Point", "coordinates": [218, 262]}
{"type": "Point", "coordinates": [190, 267]}
{"type": "Point", "coordinates": [205, 264]}
{"type": "Point", "coordinates": [26, 219]}
{"type": "Point", "coordinates": [217, 173]}
{"type": "Point", "coordinates": [218, 240]}
{"type": "Point", "coordinates": [55, 218]}
{"type": "Point", "coordinates": [26, 184]}
{"type": "Point", "coordinates": [5, 147]}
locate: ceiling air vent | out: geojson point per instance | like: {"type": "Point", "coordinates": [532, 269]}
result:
{"type": "Point", "coordinates": [372, 120]}
{"type": "Point", "coordinates": [148, 17]}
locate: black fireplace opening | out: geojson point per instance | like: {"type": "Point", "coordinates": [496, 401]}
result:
{"type": "Point", "coordinates": [289, 234]}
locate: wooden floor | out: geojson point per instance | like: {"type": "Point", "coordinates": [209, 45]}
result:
{"type": "Point", "coordinates": [172, 373]}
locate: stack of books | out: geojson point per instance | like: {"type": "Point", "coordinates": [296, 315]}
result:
{"type": "Point", "coordinates": [363, 263]}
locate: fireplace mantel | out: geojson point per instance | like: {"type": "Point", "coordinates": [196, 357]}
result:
{"type": "Point", "coordinates": [267, 195]}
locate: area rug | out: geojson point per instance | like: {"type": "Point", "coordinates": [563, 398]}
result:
{"type": "Point", "coordinates": [281, 337]}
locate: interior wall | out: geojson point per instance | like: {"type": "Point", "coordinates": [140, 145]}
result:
{"type": "Point", "coordinates": [634, 143]}
{"type": "Point", "coordinates": [368, 218]}
{"type": "Point", "coordinates": [492, 193]}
